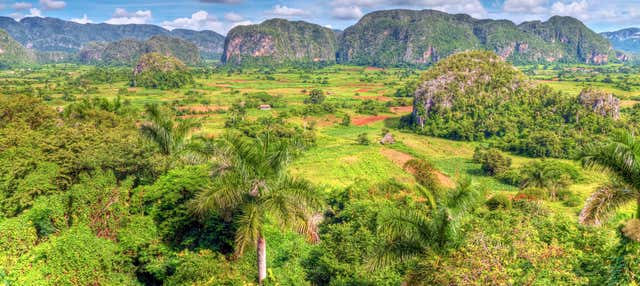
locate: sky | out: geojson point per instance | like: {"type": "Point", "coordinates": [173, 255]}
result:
{"type": "Point", "coordinates": [222, 15]}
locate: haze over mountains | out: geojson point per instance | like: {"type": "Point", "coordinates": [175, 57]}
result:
{"type": "Point", "coordinates": [381, 38]}
{"type": "Point", "coordinates": [627, 40]}
{"type": "Point", "coordinates": [55, 35]}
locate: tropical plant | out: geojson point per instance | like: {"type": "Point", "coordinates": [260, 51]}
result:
{"type": "Point", "coordinates": [412, 233]}
{"type": "Point", "coordinates": [251, 185]}
{"type": "Point", "coordinates": [550, 176]}
{"type": "Point", "coordinates": [620, 159]}
{"type": "Point", "coordinates": [168, 134]}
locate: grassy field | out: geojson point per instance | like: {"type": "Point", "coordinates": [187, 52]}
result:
{"type": "Point", "coordinates": [336, 160]}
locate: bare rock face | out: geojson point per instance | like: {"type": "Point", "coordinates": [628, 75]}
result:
{"type": "Point", "coordinates": [464, 76]}
{"type": "Point", "coordinates": [387, 139]}
{"type": "Point", "coordinates": [601, 102]}
{"type": "Point", "coordinates": [279, 41]}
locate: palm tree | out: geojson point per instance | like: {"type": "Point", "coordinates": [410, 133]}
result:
{"type": "Point", "coordinates": [621, 159]}
{"type": "Point", "coordinates": [251, 186]}
{"type": "Point", "coordinates": [169, 135]}
{"type": "Point", "coordinates": [415, 232]}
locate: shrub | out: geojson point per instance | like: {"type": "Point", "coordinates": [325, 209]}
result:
{"type": "Point", "coordinates": [424, 173]}
{"type": "Point", "coordinates": [492, 160]}
{"type": "Point", "coordinates": [316, 96]}
{"type": "Point", "coordinates": [346, 120]}
{"type": "Point", "coordinates": [363, 139]}
{"type": "Point", "coordinates": [499, 201]}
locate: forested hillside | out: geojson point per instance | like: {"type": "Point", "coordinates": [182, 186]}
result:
{"type": "Point", "coordinates": [409, 37]}
{"type": "Point", "coordinates": [280, 41]}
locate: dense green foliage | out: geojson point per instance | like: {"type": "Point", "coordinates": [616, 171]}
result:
{"type": "Point", "coordinates": [13, 53]}
{"type": "Point", "coordinates": [154, 70]}
{"type": "Point", "coordinates": [477, 96]}
{"type": "Point", "coordinates": [106, 184]}
{"type": "Point", "coordinates": [129, 51]}
{"type": "Point", "coordinates": [407, 37]}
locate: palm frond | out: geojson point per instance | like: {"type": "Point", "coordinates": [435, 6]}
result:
{"type": "Point", "coordinates": [619, 157]}
{"type": "Point", "coordinates": [249, 223]}
{"type": "Point", "coordinates": [465, 197]}
{"type": "Point", "coordinates": [603, 202]}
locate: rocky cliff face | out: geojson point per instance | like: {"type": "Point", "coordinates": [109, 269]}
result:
{"type": "Point", "coordinates": [279, 41]}
{"type": "Point", "coordinates": [12, 53]}
{"type": "Point", "coordinates": [128, 51]}
{"type": "Point", "coordinates": [397, 37]}
{"type": "Point", "coordinates": [484, 78]}
{"type": "Point", "coordinates": [600, 102]}
{"type": "Point", "coordinates": [578, 43]}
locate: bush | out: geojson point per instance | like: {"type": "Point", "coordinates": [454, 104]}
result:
{"type": "Point", "coordinates": [499, 201]}
{"type": "Point", "coordinates": [424, 173]}
{"type": "Point", "coordinates": [316, 96]}
{"type": "Point", "coordinates": [363, 139]}
{"type": "Point", "coordinates": [346, 120]}
{"type": "Point", "coordinates": [492, 160]}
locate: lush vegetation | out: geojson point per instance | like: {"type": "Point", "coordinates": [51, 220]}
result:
{"type": "Point", "coordinates": [419, 38]}
{"type": "Point", "coordinates": [278, 176]}
{"type": "Point", "coordinates": [477, 96]}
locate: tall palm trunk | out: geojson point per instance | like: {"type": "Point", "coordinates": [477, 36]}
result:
{"type": "Point", "coordinates": [262, 259]}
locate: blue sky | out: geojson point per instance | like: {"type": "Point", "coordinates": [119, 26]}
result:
{"type": "Point", "coordinates": [222, 15]}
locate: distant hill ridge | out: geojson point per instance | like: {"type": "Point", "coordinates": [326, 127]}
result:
{"type": "Point", "coordinates": [128, 51]}
{"type": "Point", "coordinates": [51, 34]}
{"type": "Point", "coordinates": [381, 38]}
{"type": "Point", "coordinates": [627, 40]}
{"type": "Point", "coordinates": [396, 37]}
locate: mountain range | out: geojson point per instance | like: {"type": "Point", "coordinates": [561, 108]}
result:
{"type": "Point", "coordinates": [55, 35]}
{"type": "Point", "coordinates": [627, 40]}
{"type": "Point", "coordinates": [381, 38]}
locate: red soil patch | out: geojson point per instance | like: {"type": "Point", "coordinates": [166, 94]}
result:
{"type": "Point", "coordinates": [396, 157]}
{"type": "Point", "coordinates": [367, 120]}
{"type": "Point", "coordinates": [363, 90]}
{"type": "Point", "coordinates": [402, 109]}
{"type": "Point", "coordinates": [400, 159]}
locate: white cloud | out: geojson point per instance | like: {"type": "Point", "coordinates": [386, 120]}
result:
{"type": "Point", "coordinates": [83, 20]}
{"type": "Point", "coordinates": [21, 6]}
{"type": "Point", "coordinates": [122, 17]}
{"type": "Point", "coordinates": [284, 11]}
{"type": "Point", "coordinates": [347, 13]}
{"type": "Point", "coordinates": [525, 6]}
{"type": "Point", "coordinates": [52, 4]}
{"type": "Point", "coordinates": [233, 17]}
{"type": "Point", "coordinates": [199, 21]}
{"type": "Point", "coordinates": [577, 9]}
{"type": "Point", "coordinates": [33, 12]}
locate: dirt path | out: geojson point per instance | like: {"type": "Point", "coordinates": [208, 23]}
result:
{"type": "Point", "coordinates": [400, 158]}
{"type": "Point", "coordinates": [402, 109]}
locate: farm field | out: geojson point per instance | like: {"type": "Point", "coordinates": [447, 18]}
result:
{"type": "Point", "coordinates": [343, 156]}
